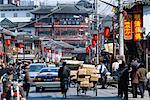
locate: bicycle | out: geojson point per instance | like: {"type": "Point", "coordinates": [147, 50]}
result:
{"type": "Point", "coordinates": [64, 87]}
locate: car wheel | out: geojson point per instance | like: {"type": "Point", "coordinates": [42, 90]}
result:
{"type": "Point", "coordinates": [37, 89]}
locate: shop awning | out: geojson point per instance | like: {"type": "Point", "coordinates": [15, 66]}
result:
{"type": "Point", "coordinates": [6, 31]}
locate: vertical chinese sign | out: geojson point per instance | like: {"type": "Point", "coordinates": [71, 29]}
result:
{"type": "Point", "coordinates": [137, 27]}
{"type": "Point", "coordinates": [127, 29]}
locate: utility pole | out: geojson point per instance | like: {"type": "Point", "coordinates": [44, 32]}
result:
{"type": "Point", "coordinates": [97, 28]}
{"type": "Point", "coordinates": [121, 29]}
{"type": "Point", "coordinates": [4, 48]}
{"type": "Point", "coordinates": [121, 26]}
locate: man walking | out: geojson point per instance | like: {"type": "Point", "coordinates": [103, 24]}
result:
{"type": "Point", "coordinates": [26, 84]}
{"type": "Point", "coordinates": [103, 70]}
{"type": "Point", "coordinates": [134, 81]}
{"type": "Point", "coordinates": [142, 76]}
{"type": "Point", "coordinates": [123, 80]}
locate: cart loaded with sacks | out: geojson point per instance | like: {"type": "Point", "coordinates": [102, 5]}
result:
{"type": "Point", "coordinates": [87, 79]}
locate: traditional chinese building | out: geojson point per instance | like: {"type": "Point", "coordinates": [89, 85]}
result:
{"type": "Point", "coordinates": [66, 22]}
{"type": "Point", "coordinates": [136, 30]}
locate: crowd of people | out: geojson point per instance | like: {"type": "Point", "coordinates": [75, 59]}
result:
{"type": "Point", "coordinates": [134, 75]}
{"type": "Point", "coordinates": [12, 73]}
{"type": "Point", "coordinates": [133, 72]}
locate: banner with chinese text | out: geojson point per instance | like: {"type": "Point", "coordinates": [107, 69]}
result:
{"type": "Point", "coordinates": [137, 27]}
{"type": "Point", "coordinates": [127, 29]}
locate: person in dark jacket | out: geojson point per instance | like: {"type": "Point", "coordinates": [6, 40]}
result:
{"type": "Point", "coordinates": [142, 76]}
{"type": "Point", "coordinates": [123, 81]}
{"type": "Point", "coordinates": [64, 74]}
{"type": "Point", "coordinates": [6, 84]}
{"type": "Point", "coordinates": [148, 83]}
{"type": "Point", "coordinates": [26, 84]}
{"type": "Point", "coordinates": [134, 81]}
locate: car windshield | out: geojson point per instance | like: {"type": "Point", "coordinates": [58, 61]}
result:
{"type": "Point", "coordinates": [49, 70]}
{"type": "Point", "coordinates": [36, 68]}
{"type": "Point", "coordinates": [54, 70]}
{"type": "Point", "coordinates": [52, 65]}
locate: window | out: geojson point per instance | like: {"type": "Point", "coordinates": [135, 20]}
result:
{"type": "Point", "coordinates": [27, 14]}
{"type": "Point", "coordinates": [2, 14]}
{"type": "Point", "coordinates": [15, 15]}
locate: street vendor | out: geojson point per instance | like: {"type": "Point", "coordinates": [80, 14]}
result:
{"type": "Point", "coordinates": [103, 70]}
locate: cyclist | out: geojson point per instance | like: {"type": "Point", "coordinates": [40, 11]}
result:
{"type": "Point", "coordinates": [64, 74]}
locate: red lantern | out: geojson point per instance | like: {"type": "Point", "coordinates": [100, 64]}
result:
{"type": "Point", "coordinates": [45, 49]}
{"type": "Point", "coordinates": [93, 43]}
{"type": "Point", "coordinates": [90, 46]}
{"type": "Point", "coordinates": [88, 49]}
{"type": "Point", "coordinates": [52, 51]}
{"type": "Point", "coordinates": [106, 32]}
{"type": "Point", "coordinates": [7, 42]}
{"type": "Point", "coordinates": [20, 45]}
{"type": "Point", "coordinates": [95, 37]}
{"type": "Point", "coordinates": [1, 54]}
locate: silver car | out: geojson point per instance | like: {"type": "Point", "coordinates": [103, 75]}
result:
{"type": "Point", "coordinates": [47, 79]}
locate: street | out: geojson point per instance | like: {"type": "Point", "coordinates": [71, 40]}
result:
{"type": "Point", "coordinates": [103, 94]}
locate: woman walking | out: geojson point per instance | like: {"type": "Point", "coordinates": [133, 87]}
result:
{"type": "Point", "coordinates": [134, 81]}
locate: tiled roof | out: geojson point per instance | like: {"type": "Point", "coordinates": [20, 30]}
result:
{"type": "Point", "coordinates": [61, 9]}
{"type": "Point", "coordinates": [8, 7]}
{"type": "Point", "coordinates": [43, 10]}
{"type": "Point", "coordinates": [7, 23]}
{"type": "Point", "coordinates": [129, 5]}
{"type": "Point", "coordinates": [7, 32]}
{"type": "Point", "coordinates": [71, 8]}
{"type": "Point", "coordinates": [61, 44]}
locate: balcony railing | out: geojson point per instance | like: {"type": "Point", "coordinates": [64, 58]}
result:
{"type": "Point", "coordinates": [42, 24]}
{"type": "Point", "coordinates": [81, 24]}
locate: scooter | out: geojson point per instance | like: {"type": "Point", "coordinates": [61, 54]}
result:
{"type": "Point", "coordinates": [17, 92]}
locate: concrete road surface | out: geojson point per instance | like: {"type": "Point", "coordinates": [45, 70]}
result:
{"type": "Point", "coordinates": [103, 94]}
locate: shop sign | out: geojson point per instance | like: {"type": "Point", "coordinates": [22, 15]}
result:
{"type": "Point", "coordinates": [127, 29]}
{"type": "Point", "coordinates": [137, 27]}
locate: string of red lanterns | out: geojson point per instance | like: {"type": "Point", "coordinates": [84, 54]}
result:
{"type": "Point", "coordinates": [8, 42]}
{"type": "Point", "coordinates": [106, 32]}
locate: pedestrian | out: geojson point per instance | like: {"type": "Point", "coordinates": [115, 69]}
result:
{"type": "Point", "coordinates": [103, 70]}
{"type": "Point", "coordinates": [148, 83]}
{"type": "Point", "coordinates": [142, 77]}
{"type": "Point", "coordinates": [134, 81]}
{"type": "Point", "coordinates": [64, 74]}
{"type": "Point", "coordinates": [123, 81]}
{"type": "Point", "coordinates": [115, 65]}
{"type": "Point", "coordinates": [26, 84]}
{"type": "Point", "coordinates": [6, 84]}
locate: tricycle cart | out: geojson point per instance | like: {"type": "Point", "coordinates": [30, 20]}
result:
{"type": "Point", "coordinates": [87, 79]}
{"type": "Point", "coordinates": [85, 87]}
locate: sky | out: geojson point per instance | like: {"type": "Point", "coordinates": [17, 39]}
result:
{"type": "Point", "coordinates": [54, 2]}
{"type": "Point", "coordinates": [103, 8]}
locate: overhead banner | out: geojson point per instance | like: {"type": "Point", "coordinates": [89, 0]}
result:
{"type": "Point", "coordinates": [127, 29]}
{"type": "Point", "coordinates": [137, 27]}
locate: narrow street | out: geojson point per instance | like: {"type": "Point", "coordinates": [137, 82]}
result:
{"type": "Point", "coordinates": [103, 94]}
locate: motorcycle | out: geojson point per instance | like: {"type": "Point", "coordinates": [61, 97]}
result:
{"type": "Point", "coordinates": [16, 93]}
